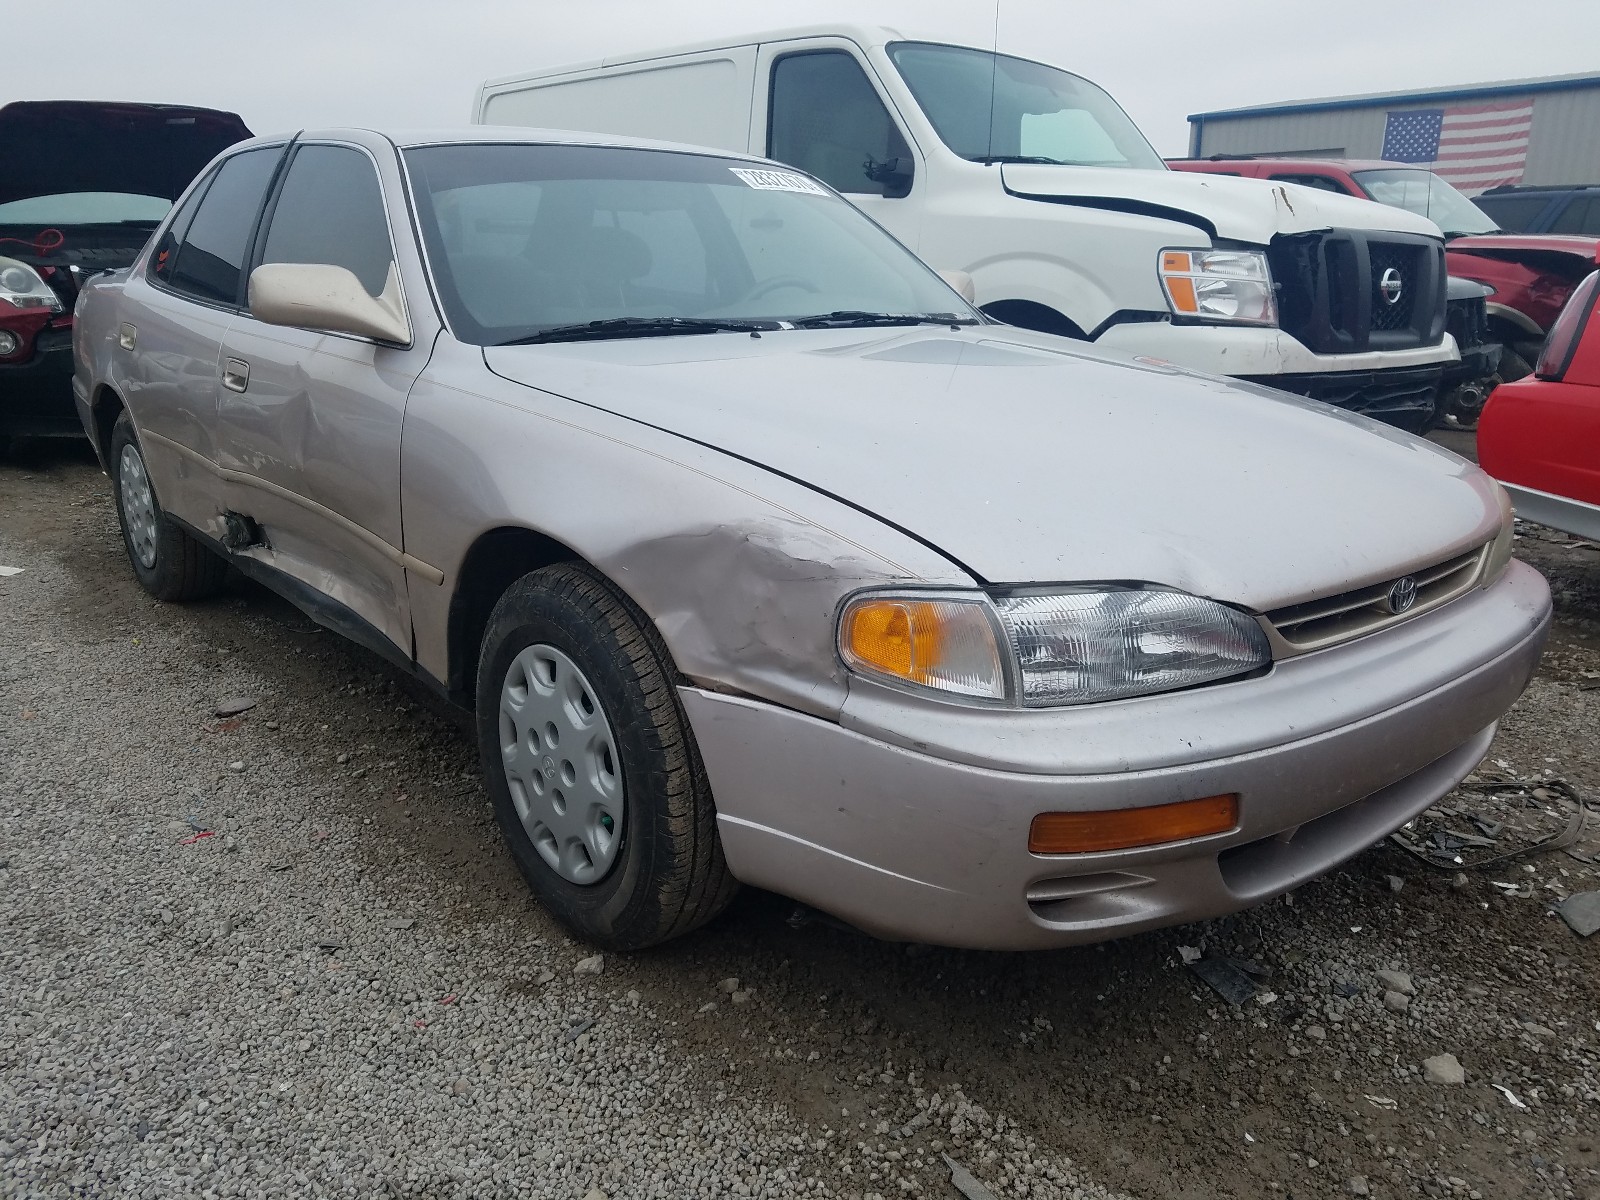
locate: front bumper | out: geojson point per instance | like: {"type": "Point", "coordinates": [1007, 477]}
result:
{"type": "Point", "coordinates": [1405, 397]}
{"type": "Point", "coordinates": [1350, 744]}
{"type": "Point", "coordinates": [36, 396]}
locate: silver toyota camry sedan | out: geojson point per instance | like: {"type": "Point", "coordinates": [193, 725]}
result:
{"type": "Point", "coordinates": [760, 556]}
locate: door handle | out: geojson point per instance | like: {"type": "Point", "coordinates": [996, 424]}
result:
{"type": "Point", "coordinates": [236, 375]}
{"type": "Point", "coordinates": [127, 336]}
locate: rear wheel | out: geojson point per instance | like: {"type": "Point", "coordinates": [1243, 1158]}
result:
{"type": "Point", "coordinates": [167, 560]}
{"type": "Point", "coordinates": [591, 765]}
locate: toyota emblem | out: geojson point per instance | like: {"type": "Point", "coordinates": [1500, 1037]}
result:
{"type": "Point", "coordinates": [1392, 287]}
{"type": "Point", "coordinates": [1402, 595]}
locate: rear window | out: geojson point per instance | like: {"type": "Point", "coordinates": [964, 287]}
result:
{"type": "Point", "coordinates": [86, 208]}
{"type": "Point", "coordinates": [1514, 214]}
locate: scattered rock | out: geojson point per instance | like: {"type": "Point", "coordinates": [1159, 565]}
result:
{"type": "Point", "coordinates": [1397, 981]}
{"type": "Point", "coordinates": [741, 997]}
{"type": "Point", "coordinates": [234, 705]}
{"type": "Point", "coordinates": [1395, 884]}
{"type": "Point", "coordinates": [965, 1182]}
{"type": "Point", "coordinates": [1316, 1033]}
{"type": "Point", "coordinates": [633, 996]}
{"type": "Point", "coordinates": [402, 923]}
{"type": "Point", "coordinates": [236, 767]}
{"type": "Point", "coordinates": [708, 1006]}
{"type": "Point", "coordinates": [1396, 1002]}
{"type": "Point", "coordinates": [1443, 1068]}
{"type": "Point", "coordinates": [596, 1194]}
{"type": "Point", "coordinates": [590, 966]}
{"type": "Point", "coordinates": [1539, 1031]}
{"type": "Point", "coordinates": [1357, 1186]}
{"type": "Point", "coordinates": [544, 977]}
{"type": "Point", "coordinates": [342, 759]}
{"type": "Point", "coordinates": [728, 986]}
{"type": "Point", "coordinates": [1581, 911]}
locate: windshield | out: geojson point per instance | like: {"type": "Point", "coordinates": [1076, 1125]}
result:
{"type": "Point", "coordinates": [85, 208]}
{"type": "Point", "coordinates": [992, 107]}
{"type": "Point", "coordinates": [525, 238]}
{"type": "Point", "coordinates": [1425, 194]}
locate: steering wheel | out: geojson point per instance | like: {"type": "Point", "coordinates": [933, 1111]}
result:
{"type": "Point", "coordinates": [777, 283]}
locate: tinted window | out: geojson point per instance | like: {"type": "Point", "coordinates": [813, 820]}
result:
{"type": "Point", "coordinates": [1323, 183]}
{"type": "Point", "coordinates": [330, 212]}
{"type": "Point", "coordinates": [86, 208]}
{"type": "Point", "coordinates": [211, 258]}
{"type": "Point", "coordinates": [1581, 215]}
{"type": "Point", "coordinates": [165, 257]}
{"type": "Point", "coordinates": [826, 118]}
{"type": "Point", "coordinates": [1514, 214]}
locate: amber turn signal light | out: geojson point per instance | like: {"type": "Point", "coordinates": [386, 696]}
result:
{"type": "Point", "coordinates": [1125, 828]}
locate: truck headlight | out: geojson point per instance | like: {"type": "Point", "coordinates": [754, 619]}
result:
{"type": "Point", "coordinates": [1231, 287]}
{"type": "Point", "coordinates": [1082, 646]}
{"type": "Point", "coordinates": [1048, 647]}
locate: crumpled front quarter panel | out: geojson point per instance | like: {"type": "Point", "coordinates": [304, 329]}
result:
{"type": "Point", "coordinates": [741, 571]}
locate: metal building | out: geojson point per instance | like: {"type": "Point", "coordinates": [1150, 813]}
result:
{"type": "Point", "coordinates": [1535, 131]}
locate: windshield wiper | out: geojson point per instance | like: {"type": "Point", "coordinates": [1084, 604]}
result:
{"type": "Point", "coordinates": [990, 159]}
{"type": "Point", "coordinates": [626, 327]}
{"type": "Point", "coordinates": [851, 318]}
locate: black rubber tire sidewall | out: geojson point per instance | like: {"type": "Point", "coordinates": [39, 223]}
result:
{"type": "Point", "coordinates": [625, 910]}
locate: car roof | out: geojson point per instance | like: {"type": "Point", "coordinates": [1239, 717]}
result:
{"type": "Point", "coordinates": [1272, 160]}
{"type": "Point", "coordinates": [487, 135]}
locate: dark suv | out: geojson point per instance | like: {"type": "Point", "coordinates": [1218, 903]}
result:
{"type": "Point", "coordinates": [82, 185]}
{"type": "Point", "coordinates": [1521, 209]}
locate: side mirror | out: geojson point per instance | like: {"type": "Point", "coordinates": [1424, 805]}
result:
{"type": "Point", "coordinates": [318, 296]}
{"type": "Point", "coordinates": [894, 175]}
{"type": "Point", "coordinates": [961, 282]}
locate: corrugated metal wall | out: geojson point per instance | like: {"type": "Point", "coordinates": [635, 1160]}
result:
{"type": "Point", "coordinates": [1563, 146]}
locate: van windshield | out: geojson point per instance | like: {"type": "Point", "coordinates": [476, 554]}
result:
{"type": "Point", "coordinates": [996, 108]}
{"type": "Point", "coordinates": [1425, 194]}
{"type": "Point", "coordinates": [555, 242]}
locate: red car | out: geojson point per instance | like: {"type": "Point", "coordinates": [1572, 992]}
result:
{"type": "Point", "coordinates": [82, 185]}
{"type": "Point", "coordinates": [1540, 436]}
{"type": "Point", "coordinates": [1532, 274]}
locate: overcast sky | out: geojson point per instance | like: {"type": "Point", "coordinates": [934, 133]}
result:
{"type": "Point", "coordinates": [287, 64]}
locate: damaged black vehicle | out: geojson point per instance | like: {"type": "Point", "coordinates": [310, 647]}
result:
{"type": "Point", "coordinates": [82, 186]}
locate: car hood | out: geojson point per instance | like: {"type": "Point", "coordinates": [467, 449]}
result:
{"type": "Point", "coordinates": [1244, 210]}
{"type": "Point", "coordinates": [54, 147]}
{"type": "Point", "coordinates": [1026, 463]}
{"type": "Point", "coordinates": [1532, 249]}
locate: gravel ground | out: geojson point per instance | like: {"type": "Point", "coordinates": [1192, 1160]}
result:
{"type": "Point", "coordinates": [343, 989]}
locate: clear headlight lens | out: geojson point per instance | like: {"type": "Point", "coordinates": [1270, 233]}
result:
{"type": "Point", "coordinates": [943, 643]}
{"type": "Point", "coordinates": [1500, 552]}
{"type": "Point", "coordinates": [23, 287]}
{"type": "Point", "coordinates": [1229, 286]}
{"type": "Point", "coordinates": [1085, 646]}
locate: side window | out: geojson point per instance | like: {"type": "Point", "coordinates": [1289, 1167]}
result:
{"type": "Point", "coordinates": [1322, 183]}
{"type": "Point", "coordinates": [1514, 214]}
{"type": "Point", "coordinates": [826, 118]}
{"type": "Point", "coordinates": [211, 256]}
{"type": "Point", "coordinates": [330, 212]}
{"type": "Point", "coordinates": [165, 255]}
{"type": "Point", "coordinates": [1579, 216]}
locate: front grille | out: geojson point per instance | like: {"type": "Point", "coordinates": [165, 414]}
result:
{"type": "Point", "coordinates": [1331, 296]}
{"type": "Point", "coordinates": [1333, 619]}
{"type": "Point", "coordinates": [1390, 314]}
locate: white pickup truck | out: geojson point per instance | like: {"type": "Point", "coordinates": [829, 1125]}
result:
{"type": "Point", "coordinates": [1036, 183]}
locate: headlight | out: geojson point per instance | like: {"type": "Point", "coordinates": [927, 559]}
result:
{"type": "Point", "coordinates": [1083, 646]}
{"type": "Point", "coordinates": [1229, 286]}
{"type": "Point", "coordinates": [25, 288]}
{"type": "Point", "coordinates": [1042, 649]}
{"type": "Point", "coordinates": [1500, 552]}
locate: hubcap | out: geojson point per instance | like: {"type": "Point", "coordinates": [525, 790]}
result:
{"type": "Point", "coordinates": [138, 507]}
{"type": "Point", "coordinates": [561, 764]}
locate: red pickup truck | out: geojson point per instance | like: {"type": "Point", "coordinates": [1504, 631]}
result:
{"type": "Point", "coordinates": [1532, 274]}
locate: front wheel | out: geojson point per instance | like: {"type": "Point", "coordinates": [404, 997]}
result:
{"type": "Point", "coordinates": [169, 562]}
{"type": "Point", "coordinates": [591, 765]}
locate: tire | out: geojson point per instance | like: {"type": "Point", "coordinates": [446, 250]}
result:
{"type": "Point", "coordinates": [1513, 365]}
{"type": "Point", "coordinates": [565, 651]}
{"type": "Point", "coordinates": [168, 562]}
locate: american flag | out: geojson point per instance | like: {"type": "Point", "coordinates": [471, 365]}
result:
{"type": "Point", "coordinates": [1476, 147]}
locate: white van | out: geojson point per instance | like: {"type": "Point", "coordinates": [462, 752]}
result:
{"type": "Point", "coordinates": [1037, 184]}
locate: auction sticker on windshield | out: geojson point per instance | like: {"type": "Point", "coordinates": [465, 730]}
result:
{"type": "Point", "coordinates": [779, 181]}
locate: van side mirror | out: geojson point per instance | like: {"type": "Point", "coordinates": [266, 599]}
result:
{"type": "Point", "coordinates": [325, 297]}
{"type": "Point", "coordinates": [895, 174]}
